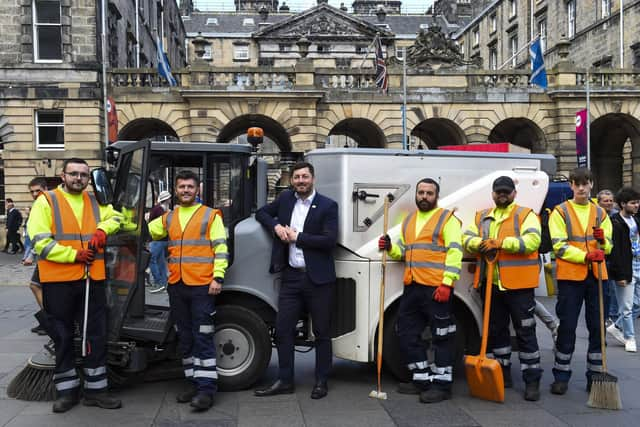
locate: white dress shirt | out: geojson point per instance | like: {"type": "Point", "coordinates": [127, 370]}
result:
{"type": "Point", "coordinates": [298, 217]}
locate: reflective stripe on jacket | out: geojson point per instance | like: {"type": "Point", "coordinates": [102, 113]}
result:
{"type": "Point", "coordinates": [66, 231]}
{"type": "Point", "coordinates": [516, 270]}
{"type": "Point", "coordinates": [584, 241]}
{"type": "Point", "coordinates": [426, 253]}
{"type": "Point", "coordinates": [191, 253]}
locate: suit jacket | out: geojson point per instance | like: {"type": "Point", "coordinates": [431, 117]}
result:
{"type": "Point", "coordinates": [14, 220]}
{"type": "Point", "coordinates": [317, 239]}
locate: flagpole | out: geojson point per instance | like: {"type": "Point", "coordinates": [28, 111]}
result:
{"type": "Point", "coordinates": [526, 46]}
{"type": "Point", "coordinates": [621, 33]}
{"type": "Point", "coordinates": [103, 34]}
{"type": "Point", "coordinates": [405, 145]}
{"type": "Point", "coordinates": [588, 123]}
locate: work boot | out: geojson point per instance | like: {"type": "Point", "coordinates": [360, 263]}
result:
{"type": "Point", "coordinates": [38, 330]}
{"type": "Point", "coordinates": [506, 375]}
{"type": "Point", "coordinates": [202, 401]}
{"type": "Point", "coordinates": [532, 391]}
{"type": "Point", "coordinates": [408, 388]}
{"type": "Point", "coordinates": [186, 395]}
{"type": "Point", "coordinates": [102, 400]}
{"type": "Point", "coordinates": [65, 402]}
{"type": "Point", "coordinates": [559, 387]}
{"type": "Point", "coordinates": [434, 395]}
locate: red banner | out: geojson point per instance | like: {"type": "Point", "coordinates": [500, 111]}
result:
{"type": "Point", "coordinates": [112, 120]}
{"type": "Point", "coordinates": [581, 138]}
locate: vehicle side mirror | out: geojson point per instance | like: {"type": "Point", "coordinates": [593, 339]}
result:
{"type": "Point", "coordinates": [101, 186]}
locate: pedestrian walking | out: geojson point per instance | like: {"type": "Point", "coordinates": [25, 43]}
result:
{"type": "Point", "coordinates": [624, 266]}
{"type": "Point", "coordinates": [606, 201]}
{"type": "Point", "coordinates": [198, 260]}
{"type": "Point", "coordinates": [69, 229]}
{"type": "Point", "coordinates": [14, 222]}
{"type": "Point", "coordinates": [513, 232]}
{"type": "Point", "coordinates": [430, 245]}
{"type": "Point", "coordinates": [305, 227]}
{"type": "Point", "coordinates": [581, 235]}
{"type": "Point", "coordinates": [158, 248]}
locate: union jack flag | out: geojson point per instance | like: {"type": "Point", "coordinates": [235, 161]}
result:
{"type": "Point", "coordinates": [382, 78]}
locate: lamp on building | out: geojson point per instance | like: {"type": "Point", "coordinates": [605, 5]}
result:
{"type": "Point", "coordinates": [199, 44]}
{"type": "Point", "coordinates": [303, 44]}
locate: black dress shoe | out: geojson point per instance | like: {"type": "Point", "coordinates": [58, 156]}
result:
{"type": "Point", "coordinates": [320, 390]}
{"type": "Point", "coordinates": [64, 403]}
{"type": "Point", "coordinates": [279, 387]}
{"type": "Point", "coordinates": [102, 400]}
{"type": "Point", "coordinates": [202, 401]}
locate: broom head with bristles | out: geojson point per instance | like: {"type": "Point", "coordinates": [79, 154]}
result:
{"type": "Point", "coordinates": [35, 381]}
{"type": "Point", "coordinates": [605, 393]}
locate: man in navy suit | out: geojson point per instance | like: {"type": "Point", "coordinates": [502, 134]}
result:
{"type": "Point", "coordinates": [305, 225]}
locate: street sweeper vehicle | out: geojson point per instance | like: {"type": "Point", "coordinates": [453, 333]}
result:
{"type": "Point", "coordinates": [142, 338]}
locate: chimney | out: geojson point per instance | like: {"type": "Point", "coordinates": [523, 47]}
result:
{"type": "Point", "coordinates": [264, 13]}
{"type": "Point", "coordinates": [343, 7]}
{"type": "Point", "coordinates": [381, 13]}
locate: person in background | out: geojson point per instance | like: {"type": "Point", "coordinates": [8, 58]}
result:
{"type": "Point", "coordinates": [607, 202]}
{"type": "Point", "coordinates": [624, 266]}
{"type": "Point", "coordinates": [14, 222]}
{"type": "Point", "coordinates": [158, 248]}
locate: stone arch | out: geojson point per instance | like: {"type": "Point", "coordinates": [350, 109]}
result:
{"type": "Point", "coordinates": [609, 134]}
{"type": "Point", "coordinates": [151, 128]}
{"type": "Point", "coordinates": [519, 131]}
{"type": "Point", "coordinates": [276, 137]}
{"type": "Point", "coordinates": [357, 132]}
{"type": "Point", "coordinates": [437, 131]}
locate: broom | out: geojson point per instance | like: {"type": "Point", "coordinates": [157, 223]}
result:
{"type": "Point", "coordinates": [35, 381]}
{"type": "Point", "coordinates": [605, 393]}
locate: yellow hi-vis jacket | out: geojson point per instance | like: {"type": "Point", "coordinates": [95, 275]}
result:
{"type": "Point", "coordinates": [430, 244]}
{"type": "Point", "coordinates": [571, 228]}
{"type": "Point", "coordinates": [60, 224]}
{"type": "Point", "coordinates": [518, 266]}
{"type": "Point", "coordinates": [197, 244]}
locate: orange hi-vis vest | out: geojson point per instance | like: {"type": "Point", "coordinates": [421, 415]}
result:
{"type": "Point", "coordinates": [585, 241]}
{"type": "Point", "coordinates": [191, 253]}
{"type": "Point", "coordinates": [516, 270]}
{"type": "Point", "coordinates": [425, 254]}
{"type": "Point", "coordinates": [67, 232]}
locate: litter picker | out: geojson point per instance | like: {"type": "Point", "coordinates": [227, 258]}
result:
{"type": "Point", "coordinates": [378, 393]}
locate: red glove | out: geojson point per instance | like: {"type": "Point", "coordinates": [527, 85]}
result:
{"type": "Point", "coordinates": [598, 234]}
{"type": "Point", "coordinates": [98, 240]}
{"type": "Point", "coordinates": [384, 243]}
{"type": "Point", "coordinates": [85, 256]}
{"type": "Point", "coordinates": [595, 256]}
{"type": "Point", "coordinates": [489, 245]}
{"type": "Point", "coordinates": [442, 293]}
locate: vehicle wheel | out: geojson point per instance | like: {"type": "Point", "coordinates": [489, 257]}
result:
{"type": "Point", "coordinates": [243, 347]}
{"type": "Point", "coordinates": [392, 358]}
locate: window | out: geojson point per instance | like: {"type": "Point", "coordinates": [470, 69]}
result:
{"type": "Point", "coordinates": [400, 53]}
{"type": "Point", "coordinates": [208, 53]}
{"type": "Point", "coordinates": [571, 18]}
{"type": "Point", "coordinates": [49, 130]}
{"type": "Point", "coordinates": [493, 57]}
{"type": "Point", "coordinates": [513, 8]}
{"type": "Point", "coordinates": [241, 52]}
{"type": "Point", "coordinates": [542, 30]}
{"type": "Point", "coordinates": [47, 31]}
{"type": "Point", "coordinates": [475, 35]}
{"type": "Point", "coordinates": [493, 23]}
{"type": "Point", "coordinates": [323, 48]}
{"type": "Point", "coordinates": [212, 21]}
{"type": "Point", "coordinates": [246, 22]}
{"type": "Point", "coordinates": [513, 48]}
{"type": "Point", "coordinates": [284, 47]}
{"type": "Point", "coordinates": [361, 49]}
{"type": "Point", "coordinates": [606, 8]}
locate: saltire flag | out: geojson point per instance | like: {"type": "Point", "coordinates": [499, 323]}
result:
{"type": "Point", "coordinates": [112, 120]}
{"type": "Point", "coordinates": [538, 72]}
{"type": "Point", "coordinates": [581, 138]}
{"type": "Point", "coordinates": [382, 78]}
{"type": "Point", "coordinates": [164, 69]}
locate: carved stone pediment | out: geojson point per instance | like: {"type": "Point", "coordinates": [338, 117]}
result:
{"type": "Point", "coordinates": [322, 21]}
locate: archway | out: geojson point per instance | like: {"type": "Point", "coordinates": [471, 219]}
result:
{"type": "Point", "coordinates": [356, 132]}
{"type": "Point", "coordinates": [142, 128]}
{"type": "Point", "coordinates": [519, 131]}
{"type": "Point", "coordinates": [615, 151]}
{"type": "Point", "coordinates": [436, 132]}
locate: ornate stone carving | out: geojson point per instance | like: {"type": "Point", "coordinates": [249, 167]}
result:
{"type": "Point", "coordinates": [433, 47]}
{"type": "Point", "coordinates": [321, 25]}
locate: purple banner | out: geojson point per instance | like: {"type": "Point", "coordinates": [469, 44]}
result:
{"type": "Point", "coordinates": [581, 138]}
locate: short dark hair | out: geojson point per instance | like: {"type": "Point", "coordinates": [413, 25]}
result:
{"type": "Point", "coordinates": [626, 194]}
{"type": "Point", "coordinates": [9, 200]}
{"type": "Point", "coordinates": [38, 181]}
{"type": "Point", "coordinates": [580, 175]}
{"type": "Point", "coordinates": [187, 174]}
{"type": "Point", "coordinates": [429, 181]}
{"type": "Point", "coordinates": [302, 165]}
{"type": "Point", "coordinates": [73, 160]}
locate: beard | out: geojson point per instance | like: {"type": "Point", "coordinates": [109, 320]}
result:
{"type": "Point", "coordinates": [425, 205]}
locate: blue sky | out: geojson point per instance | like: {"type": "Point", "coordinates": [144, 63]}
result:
{"type": "Point", "coordinates": [408, 6]}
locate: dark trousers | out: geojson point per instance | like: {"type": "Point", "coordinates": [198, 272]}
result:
{"type": "Point", "coordinates": [571, 295]}
{"type": "Point", "coordinates": [417, 309]}
{"type": "Point", "coordinates": [297, 293]}
{"type": "Point", "coordinates": [192, 308]}
{"type": "Point", "coordinates": [13, 239]}
{"type": "Point", "coordinates": [64, 304]}
{"type": "Point", "coordinates": [516, 306]}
